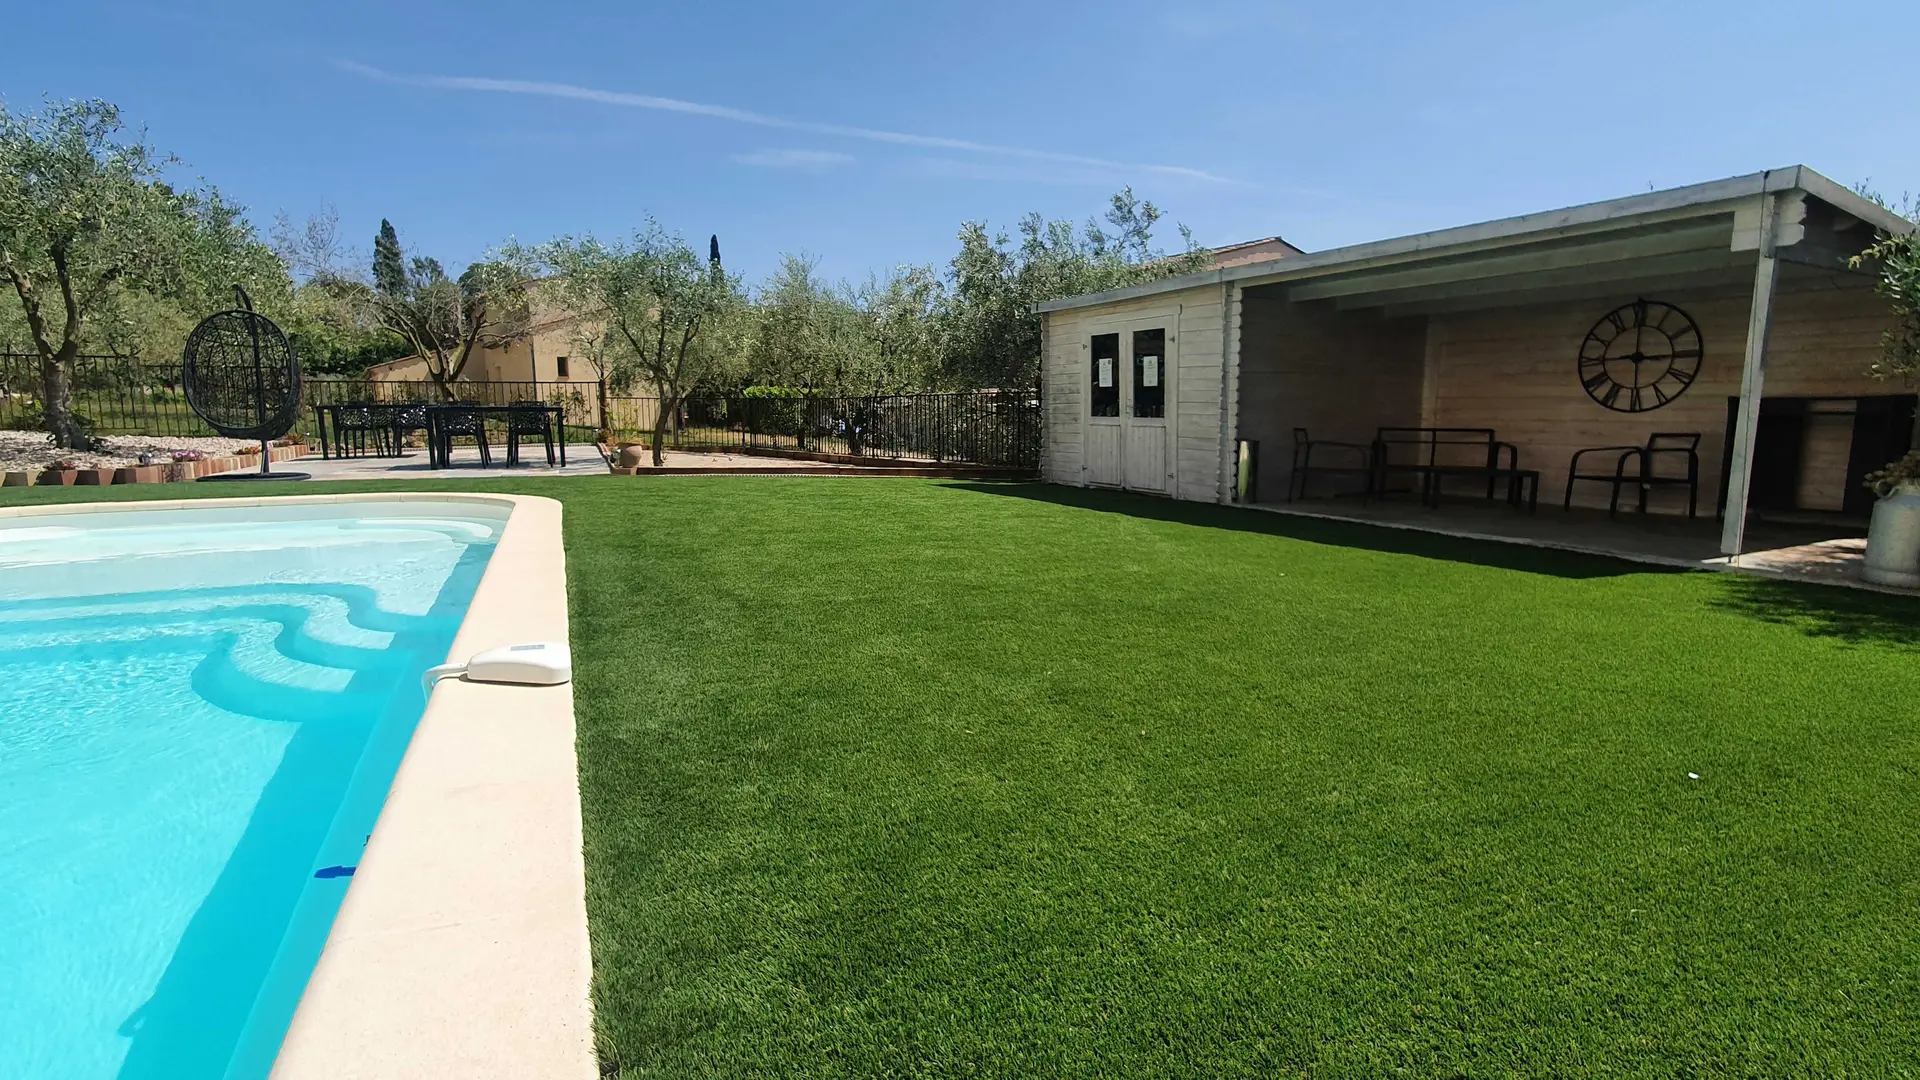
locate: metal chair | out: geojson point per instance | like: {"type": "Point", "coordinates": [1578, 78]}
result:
{"type": "Point", "coordinates": [353, 423]}
{"type": "Point", "coordinates": [453, 420]}
{"type": "Point", "coordinates": [1304, 468]}
{"type": "Point", "coordinates": [528, 418]}
{"type": "Point", "coordinates": [1643, 476]}
{"type": "Point", "coordinates": [408, 418]}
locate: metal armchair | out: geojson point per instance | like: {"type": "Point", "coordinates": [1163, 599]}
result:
{"type": "Point", "coordinates": [1304, 467]}
{"type": "Point", "coordinates": [1637, 465]}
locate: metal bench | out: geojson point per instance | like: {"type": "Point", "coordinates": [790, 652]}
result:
{"type": "Point", "coordinates": [1430, 456]}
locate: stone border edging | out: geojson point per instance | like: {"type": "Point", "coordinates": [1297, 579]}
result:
{"type": "Point", "coordinates": [148, 474]}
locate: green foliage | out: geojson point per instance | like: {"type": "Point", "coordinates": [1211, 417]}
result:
{"type": "Point", "coordinates": [1901, 473]}
{"type": "Point", "coordinates": [160, 259]}
{"type": "Point", "coordinates": [102, 253]}
{"type": "Point", "coordinates": [1898, 258]}
{"type": "Point", "coordinates": [329, 345]}
{"type": "Point", "coordinates": [389, 262]}
{"type": "Point", "coordinates": [330, 318]}
{"type": "Point", "coordinates": [809, 334]}
{"type": "Point", "coordinates": [442, 319]}
{"type": "Point", "coordinates": [913, 329]}
{"type": "Point", "coordinates": [991, 335]}
{"type": "Point", "coordinates": [675, 322]}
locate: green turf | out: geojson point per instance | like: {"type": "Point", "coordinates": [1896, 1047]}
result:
{"type": "Point", "coordinates": [903, 778]}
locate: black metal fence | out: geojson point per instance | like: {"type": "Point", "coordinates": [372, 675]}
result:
{"type": "Point", "coordinates": [120, 396]}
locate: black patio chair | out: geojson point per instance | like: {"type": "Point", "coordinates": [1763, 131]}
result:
{"type": "Point", "coordinates": [407, 419]}
{"type": "Point", "coordinates": [453, 420]}
{"type": "Point", "coordinates": [1304, 468]}
{"type": "Point", "coordinates": [352, 424]}
{"type": "Point", "coordinates": [1643, 474]}
{"type": "Point", "coordinates": [529, 419]}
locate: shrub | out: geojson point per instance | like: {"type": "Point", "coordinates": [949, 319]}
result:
{"type": "Point", "coordinates": [1904, 471]}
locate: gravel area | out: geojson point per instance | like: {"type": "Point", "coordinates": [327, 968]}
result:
{"type": "Point", "coordinates": [29, 451]}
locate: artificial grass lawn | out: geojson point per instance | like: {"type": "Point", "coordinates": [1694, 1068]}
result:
{"type": "Point", "coordinates": [904, 778]}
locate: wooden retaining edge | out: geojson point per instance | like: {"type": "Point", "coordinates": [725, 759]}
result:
{"type": "Point", "coordinates": [147, 474]}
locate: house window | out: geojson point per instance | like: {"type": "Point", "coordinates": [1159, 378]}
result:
{"type": "Point", "coordinates": [560, 365]}
{"type": "Point", "coordinates": [1106, 374]}
{"type": "Point", "coordinates": [1150, 372]}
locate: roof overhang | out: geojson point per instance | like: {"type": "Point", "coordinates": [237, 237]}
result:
{"type": "Point", "coordinates": [1706, 230]}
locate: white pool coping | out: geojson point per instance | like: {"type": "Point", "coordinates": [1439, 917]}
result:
{"type": "Point", "coordinates": [461, 949]}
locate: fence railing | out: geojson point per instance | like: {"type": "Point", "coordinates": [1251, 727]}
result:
{"type": "Point", "coordinates": [120, 396]}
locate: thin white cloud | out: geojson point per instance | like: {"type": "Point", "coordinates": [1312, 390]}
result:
{"type": "Point", "coordinates": [1019, 173]}
{"type": "Point", "coordinates": [480, 84]}
{"type": "Point", "coordinates": [813, 161]}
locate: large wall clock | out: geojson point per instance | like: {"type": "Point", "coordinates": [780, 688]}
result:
{"type": "Point", "coordinates": [1640, 356]}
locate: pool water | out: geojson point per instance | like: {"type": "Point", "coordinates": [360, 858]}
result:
{"type": "Point", "coordinates": [200, 714]}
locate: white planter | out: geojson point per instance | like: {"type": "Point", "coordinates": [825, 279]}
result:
{"type": "Point", "coordinates": [1893, 540]}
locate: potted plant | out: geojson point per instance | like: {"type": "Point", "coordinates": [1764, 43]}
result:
{"type": "Point", "coordinates": [62, 473]}
{"type": "Point", "coordinates": [633, 454]}
{"type": "Point", "coordinates": [1893, 539]}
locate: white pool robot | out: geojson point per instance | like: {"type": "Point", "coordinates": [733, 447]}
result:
{"type": "Point", "coordinates": [538, 663]}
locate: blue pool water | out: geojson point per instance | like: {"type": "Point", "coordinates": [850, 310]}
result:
{"type": "Point", "coordinates": [200, 714]}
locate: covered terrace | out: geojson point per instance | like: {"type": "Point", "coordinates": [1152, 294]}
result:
{"type": "Point", "coordinates": [1724, 317]}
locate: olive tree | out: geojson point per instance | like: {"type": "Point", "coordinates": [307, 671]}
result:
{"type": "Point", "coordinates": [441, 320]}
{"type": "Point", "coordinates": [990, 331]}
{"type": "Point", "coordinates": [672, 319]}
{"type": "Point", "coordinates": [89, 231]}
{"type": "Point", "coordinates": [1898, 257]}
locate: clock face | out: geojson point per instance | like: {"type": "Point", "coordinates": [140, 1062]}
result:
{"type": "Point", "coordinates": [1640, 356]}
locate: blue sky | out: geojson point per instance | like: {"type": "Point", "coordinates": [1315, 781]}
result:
{"type": "Point", "coordinates": [864, 133]}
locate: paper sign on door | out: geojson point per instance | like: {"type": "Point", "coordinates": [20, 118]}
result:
{"type": "Point", "coordinates": [1149, 371]}
{"type": "Point", "coordinates": [1106, 371]}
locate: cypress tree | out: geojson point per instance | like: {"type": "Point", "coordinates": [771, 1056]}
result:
{"type": "Point", "coordinates": [389, 266]}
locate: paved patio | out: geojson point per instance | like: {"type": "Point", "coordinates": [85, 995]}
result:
{"type": "Point", "coordinates": [582, 460]}
{"type": "Point", "coordinates": [1829, 554]}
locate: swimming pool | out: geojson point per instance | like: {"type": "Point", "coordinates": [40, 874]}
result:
{"type": "Point", "coordinates": [201, 711]}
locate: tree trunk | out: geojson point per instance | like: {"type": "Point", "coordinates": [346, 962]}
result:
{"type": "Point", "coordinates": [662, 416]}
{"type": "Point", "coordinates": [601, 390]}
{"type": "Point", "coordinates": [57, 404]}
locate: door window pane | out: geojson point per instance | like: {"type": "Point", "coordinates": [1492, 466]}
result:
{"type": "Point", "coordinates": [1149, 373]}
{"type": "Point", "coordinates": [1106, 375]}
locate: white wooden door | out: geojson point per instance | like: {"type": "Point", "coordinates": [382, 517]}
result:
{"type": "Point", "coordinates": [1106, 425]}
{"type": "Point", "coordinates": [1148, 405]}
{"type": "Point", "coordinates": [1130, 412]}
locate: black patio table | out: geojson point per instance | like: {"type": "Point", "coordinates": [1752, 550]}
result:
{"type": "Point", "coordinates": [388, 420]}
{"type": "Point", "coordinates": [440, 442]}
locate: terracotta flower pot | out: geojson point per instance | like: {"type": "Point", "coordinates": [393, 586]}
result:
{"type": "Point", "coordinates": [16, 479]}
{"type": "Point", "coordinates": [58, 477]}
{"type": "Point", "coordinates": [95, 477]}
